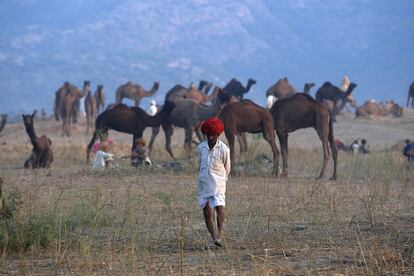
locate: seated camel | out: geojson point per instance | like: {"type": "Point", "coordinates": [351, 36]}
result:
{"type": "Point", "coordinates": [42, 154]}
{"type": "Point", "coordinates": [370, 109]}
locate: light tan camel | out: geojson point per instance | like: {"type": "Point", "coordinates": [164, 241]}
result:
{"type": "Point", "coordinates": [370, 109]}
{"type": "Point", "coordinates": [200, 97]}
{"type": "Point", "coordinates": [134, 92]}
{"type": "Point", "coordinates": [68, 107]}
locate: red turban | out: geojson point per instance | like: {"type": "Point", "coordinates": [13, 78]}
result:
{"type": "Point", "coordinates": [212, 126]}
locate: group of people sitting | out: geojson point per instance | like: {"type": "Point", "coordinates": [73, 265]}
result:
{"type": "Point", "coordinates": [359, 146]}
{"type": "Point", "coordinates": [104, 159]}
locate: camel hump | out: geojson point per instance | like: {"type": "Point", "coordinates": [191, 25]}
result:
{"type": "Point", "coordinates": [327, 83]}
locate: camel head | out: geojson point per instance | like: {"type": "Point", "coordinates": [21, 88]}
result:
{"type": "Point", "coordinates": [350, 88]}
{"type": "Point", "coordinates": [28, 119]}
{"type": "Point", "coordinates": [308, 87]}
{"type": "Point", "coordinates": [251, 82]}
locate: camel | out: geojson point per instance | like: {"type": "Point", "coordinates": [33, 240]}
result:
{"type": "Point", "coordinates": [200, 97]}
{"type": "Point", "coordinates": [188, 114]}
{"type": "Point", "coordinates": [59, 95]}
{"type": "Point", "coordinates": [42, 154]}
{"type": "Point", "coordinates": [3, 122]}
{"type": "Point", "coordinates": [332, 93]}
{"type": "Point", "coordinates": [302, 111]}
{"type": "Point", "coordinates": [246, 116]}
{"type": "Point", "coordinates": [134, 92]}
{"type": "Point", "coordinates": [204, 86]}
{"type": "Point", "coordinates": [411, 95]}
{"type": "Point", "coordinates": [282, 89]}
{"type": "Point", "coordinates": [68, 106]}
{"type": "Point", "coordinates": [132, 120]}
{"type": "Point", "coordinates": [373, 110]}
{"type": "Point", "coordinates": [99, 98]}
{"type": "Point", "coordinates": [235, 88]}
{"type": "Point", "coordinates": [90, 109]}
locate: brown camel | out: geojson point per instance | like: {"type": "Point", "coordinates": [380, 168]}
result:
{"type": "Point", "coordinates": [90, 110]}
{"type": "Point", "coordinates": [235, 88]}
{"type": "Point", "coordinates": [134, 92]}
{"type": "Point", "coordinates": [188, 114]}
{"type": "Point", "coordinates": [246, 116]}
{"type": "Point", "coordinates": [373, 110]}
{"type": "Point", "coordinates": [3, 122]}
{"type": "Point", "coordinates": [200, 97]}
{"type": "Point", "coordinates": [99, 98]}
{"type": "Point", "coordinates": [411, 95]}
{"type": "Point", "coordinates": [42, 154]}
{"type": "Point", "coordinates": [59, 96]}
{"type": "Point", "coordinates": [68, 107]}
{"type": "Point", "coordinates": [333, 93]}
{"type": "Point", "coordinates": [132, 120]}
{"type": "Point", "coordinates": [302, 111]}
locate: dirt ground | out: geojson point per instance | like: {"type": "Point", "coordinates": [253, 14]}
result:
{"type": "Point", "coordinates": [146, 221]}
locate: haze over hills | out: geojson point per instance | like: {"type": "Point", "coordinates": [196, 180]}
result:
{"type": "Point", "coordinates": [43, 43]}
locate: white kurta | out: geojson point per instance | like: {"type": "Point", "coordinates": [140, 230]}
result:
{"type": "Point", "coordinates": [152, 110]}
{"type": "Point", "coordinates": [100, 158]}
{"type": "Point", "coordinates": [214, 169]}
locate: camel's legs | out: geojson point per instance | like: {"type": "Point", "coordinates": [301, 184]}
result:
{"type": "Point", "coordinates": [188, 137]}
{"type": "Point", "coordinates": [283, 140]}
{"type": "Point", "coordinates": [323, 135]}
{"type": "Point", "coordinates": [154, 133]}
{"type": "Point", "coordinates": [333, 149]}
{"type": "Point", "coordinates": [230, 139]}
{"type": "Point", "coordinates": [242, 138]}
{"type": "Point", "coordinates": [168, 131]}
{"type": "Point", "coordinates": [269, 136]}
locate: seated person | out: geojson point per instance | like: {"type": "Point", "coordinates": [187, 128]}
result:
{"type": "Point", "coordinates": [363, 148]}
{"type": "Point", "coordinates": [139, 155]}
{"type": "Point", "coordinates": [103, 159]}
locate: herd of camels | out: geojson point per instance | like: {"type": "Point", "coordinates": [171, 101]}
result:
{"type": "Point", "coordinates": [186, 107]}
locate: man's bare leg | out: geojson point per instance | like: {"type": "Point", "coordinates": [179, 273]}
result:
{"type": "Point", "coordinates": [208, 217]}
{"type": "Point", "coordinates": [220, 225]}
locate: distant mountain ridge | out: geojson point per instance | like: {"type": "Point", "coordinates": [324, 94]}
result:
{"type": "Point", "coordinates": [44, 43]}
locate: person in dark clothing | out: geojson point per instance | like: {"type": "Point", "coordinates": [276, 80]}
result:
{"type": "Point", "coordinates": [409, 150]}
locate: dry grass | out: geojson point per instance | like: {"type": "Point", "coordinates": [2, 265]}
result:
{"type": "Point", "coordinates": [125, 221]}
{"type": "Point", "coordinates": [147, 221]}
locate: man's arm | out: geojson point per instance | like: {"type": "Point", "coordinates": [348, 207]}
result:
{"type": "Point", "coordinates": [226, 161]}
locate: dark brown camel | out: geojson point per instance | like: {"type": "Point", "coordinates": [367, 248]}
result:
{"type": "Point", "coordinates": [302, 111]}
{"type": "Point", "coordinates": [99, 98]}
{"type": "Point", "coordinates": [188, 114]}
{"type": "Point", "coordinates": [42, 154]}
{"type": "Point", "coordinates": [333, 93]}
{"type": "Point", "coordinates": [59, 96]}
{"type": "Point", "coordinates": [68, 107]}
{"type": "Point", "coordinates": [134, 92]}
{"type": "Point", "coordinates": [3, 122]}
{"type": "Point", "coordinates": [132, 120]}
{"type": "Point", "coordinates": [246, 116]}
{"type": "Point", "coordinates": [235, 88]}
{"type": "Point", "coordinates": [90, 110]}
{"type": "Point", "coordinates": [411, 95]}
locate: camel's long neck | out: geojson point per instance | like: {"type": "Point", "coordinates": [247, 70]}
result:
{"type": "Point", "coordinates": [32, 134]}
{"type": "Point", "coordinates": [84, 91]}
{"type": "Point", "coordinates": [212, 96]}
{"type": "Point", "coordinates": [249, 85]}
{"type": "Point", "coordinates": [349, 90]}
{"type": "Point", "coordinates": [151, 93]}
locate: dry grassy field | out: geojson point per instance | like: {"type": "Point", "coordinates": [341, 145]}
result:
{"type": "Point", "coordinates": [70, 220]}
